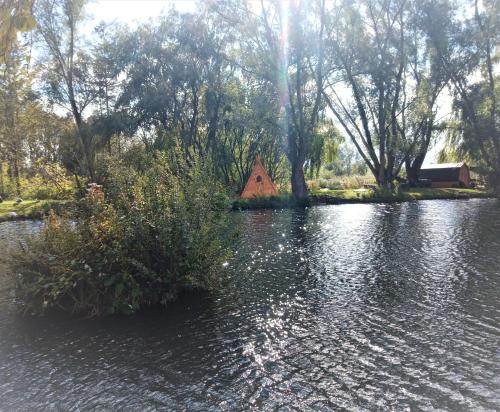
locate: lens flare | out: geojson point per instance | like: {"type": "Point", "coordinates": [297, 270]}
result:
{"type": "Point", "coordinates": [283, 66]}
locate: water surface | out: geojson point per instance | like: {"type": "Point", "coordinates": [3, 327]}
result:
{"type": "Point", "coordinates": [359, 307]}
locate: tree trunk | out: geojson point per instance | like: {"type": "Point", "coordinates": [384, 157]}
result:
{"type": "Point", "coordinates": [411, 174]}
{"type": "Point", "coordinates": [15, 167]}
{"type": "Point", "coordinates": [77, 113]}
{"type": "Point", "coordinates": [495, 180]}
{"type": "Point", "coordinates": [299, 187]}
{"type": "Point", "coordinates": [413, 167]}
{"type": "Point", "coordinates": [2, 185]}
{"type": "Point", "coordinates": [380, 176]}
{"type": "Point", "coordinates": [79, 187]}
{"type": "Point", "coordinates": [412, 170]}
{"type": "Point", "coordinates": [84, 142]}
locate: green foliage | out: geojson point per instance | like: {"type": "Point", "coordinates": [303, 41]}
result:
{"type": "Point", "coordinates": [33, 209]}
{"type": "Point", "coordinates": [234, 79]}
{"type": "Point", "coordinates": [155, 234]}
{"type": "Point", "coordinates": [46, 181]}
{"type": "Point", "coordinates": [473, 136]}
{"type": "Point", "coordinates": [15, 16]}
{"type": "Point", "coordinates": [324, 146]}
{"type": "Point", "coordinates": [383, 195]}
{"type": "Point", "coordinates": [467, 48]}
{"type": "Point", "coordinates": [354, 181]}
{"type": "Point", "coordinates": [180, 89]}
{"type": "Point", "coordinates": [339, 196]}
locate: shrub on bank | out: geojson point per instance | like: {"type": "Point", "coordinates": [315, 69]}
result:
{"type": "Point", "coordinates": [333, 182]}
{"type": "Point", "coordinates": [33, 209]}
{"type": "Point", "coordinates": [43, 182]}
{"type": "Point", "coordinates": [138, 247]}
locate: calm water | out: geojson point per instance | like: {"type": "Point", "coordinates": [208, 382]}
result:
{"type": "Point", "coordinates": [336, 307]}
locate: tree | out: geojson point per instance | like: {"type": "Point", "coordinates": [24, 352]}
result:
{"type": "Point", "coordinates": [15, 87]}
{"type": "Point", "coordinates": [383, 85]}
{"type": "Point", "coordinates": [69, 81]}
{"type": "Point", "coordinates": [174, 82]}
{"type": "Point", "coordinates": [467, 52]}
{"type": "Point", "coordinates": [418, 122]}
{"type": "Point", "coordinates": [281, 48]}
{"type": "Point", "coordinates": [471, 135]}
{"type": "Point", "coordinates": [181, 90]}
{"type": "Point", "coordinates": [44, 133]}
{"type": "Point", "coordinates": [249, 129]}
{"type": "Point", "coordinates": [15, 16]}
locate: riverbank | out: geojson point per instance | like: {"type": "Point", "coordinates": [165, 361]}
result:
{"type": "Point", "coordinates": [36, 209]}
{"type": "Point", "coordinates": [29, 209]}
{"type": "Point", "coordinates": [318, 197]}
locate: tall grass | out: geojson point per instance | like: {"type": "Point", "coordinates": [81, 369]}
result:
{"type": "Point", "coordinates": [332, 182]}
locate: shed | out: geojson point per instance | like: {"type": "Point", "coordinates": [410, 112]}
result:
{"type": "Point", "coordinates": [446, 174]}
{"type": "Point", "coordinates": [259, 183]}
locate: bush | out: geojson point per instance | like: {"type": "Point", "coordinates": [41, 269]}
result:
{"type": "Point", "coordinates": [327, 181]}
{"type": "Point", "coordinates": [137, 247]}
{"type": "Point", "coordinates": [37, 187]}
{"type": "Point", "coordinates": [45, 181]}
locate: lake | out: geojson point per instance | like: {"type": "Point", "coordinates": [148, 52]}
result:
{"type": "Point", "coordinates": [358, 307]}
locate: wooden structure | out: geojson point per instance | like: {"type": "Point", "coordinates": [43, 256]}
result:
{"type": "Point", "coordinates": [259, 183]}
{"type": "Point", "coordinates": [446, 175]}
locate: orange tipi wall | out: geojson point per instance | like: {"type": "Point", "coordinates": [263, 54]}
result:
{"type": "Point", "coordinates": [259, 183]}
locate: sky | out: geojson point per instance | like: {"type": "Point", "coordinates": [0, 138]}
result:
{"type": "Point", "coordinates": [135, 12]}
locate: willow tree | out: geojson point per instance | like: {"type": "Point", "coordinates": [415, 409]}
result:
{"type": "Point", "coordinates": [280, 47]}
{"type": "Point", "coordinates": [248, 129]}
{"type": "Point", "coordinates": [383, 86]}
{"type": "Point", "coordinates": [467, 49]}
{"type": "Point", "coordinates": [175, 81]}
{"type": "Point", "coordinates": [425, 80]}
{"type": "Point", "coordinates": [181, 89]}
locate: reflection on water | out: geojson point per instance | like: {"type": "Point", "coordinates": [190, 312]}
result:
{"type": "Point", "coordinates": [350, 306]}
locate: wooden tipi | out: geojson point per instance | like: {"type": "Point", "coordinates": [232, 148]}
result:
{"type": "Point", "coordinates": [259, 183]}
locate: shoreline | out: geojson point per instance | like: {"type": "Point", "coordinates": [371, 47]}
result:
{"type": "Point", "coordinates": [37, 209]}
{"type": "Point", "coordinates": [30, 209]}
{"type": "Point", "coordinates": [338, 197]}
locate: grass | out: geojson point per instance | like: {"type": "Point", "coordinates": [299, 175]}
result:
{"type": "Point", "coordinates": [338, 196]}
{"type": "Point", "coordinates": [29, 209]}
{"type": "Point", "coordinates": [36, 209]}
{"type": "Point", "coordinates": [332, 182]}
{"type": "Point", "coordinates": [374, 196]}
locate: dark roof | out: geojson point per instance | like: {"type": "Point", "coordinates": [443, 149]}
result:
{"type": "Point", "coordinates": [444, 165]}
{"type": "Point", "coordinates": [443, 172]}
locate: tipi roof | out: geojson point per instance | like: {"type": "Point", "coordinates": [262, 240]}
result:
{"type": "Point", "coordinates": [259, 183]}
